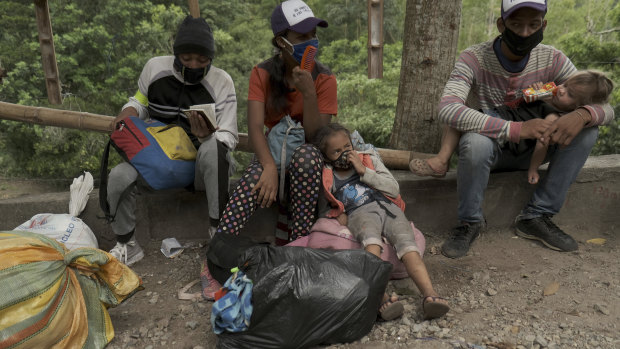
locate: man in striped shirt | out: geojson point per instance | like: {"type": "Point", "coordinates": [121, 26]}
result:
{"type": "Point", "coordinates": [492, 74]}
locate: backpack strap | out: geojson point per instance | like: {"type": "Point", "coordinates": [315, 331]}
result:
{"type": "Point", "coordinates": [283, 159]}
{"type": "Point", "coordinates": [103, 184]}
{"type": "Point", "coordinates": [103, 187]}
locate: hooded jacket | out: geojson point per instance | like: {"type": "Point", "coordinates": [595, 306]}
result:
{"type": "Point", "coordinates": [377, 176]}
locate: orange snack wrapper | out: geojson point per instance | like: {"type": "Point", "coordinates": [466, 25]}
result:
{"type": "Point", "coordinates": [532, 94]}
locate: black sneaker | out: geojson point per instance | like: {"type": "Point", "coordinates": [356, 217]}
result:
{"type": "Point", "coordinates": [463, 235]}
{"type": "Point", "coordinates": [545, 231]}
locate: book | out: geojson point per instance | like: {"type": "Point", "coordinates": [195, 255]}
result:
{"type": "Point", "coordinates": [206, 111]}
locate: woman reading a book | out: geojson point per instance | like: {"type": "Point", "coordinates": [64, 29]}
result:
{"type": "Point", "coordinates": [280, 87]}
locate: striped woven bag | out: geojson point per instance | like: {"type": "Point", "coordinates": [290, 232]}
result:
{"type": "Point", "coordinates": [53, 298]}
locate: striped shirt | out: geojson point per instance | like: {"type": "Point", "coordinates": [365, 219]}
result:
{"type": "Point", "coordinates": [479, 82]}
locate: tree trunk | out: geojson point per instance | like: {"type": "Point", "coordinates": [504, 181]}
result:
{"type": "Point", "coordinates": [429, 51]}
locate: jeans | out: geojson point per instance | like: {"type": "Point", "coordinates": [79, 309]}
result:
{"type": "Point", "coordinates": [479, 155]}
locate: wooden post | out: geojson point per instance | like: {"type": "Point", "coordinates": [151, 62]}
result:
{"type": "Point", "coordinates": [56, 117]}
{"type": "Point", "coordinates": [48, 54]}
{"type": "Point", "coordinates": [194, 9]}
{"type": "Point", "coordinates": [393, 159]}
{"type": "Point", "coordinates": [375, 39]}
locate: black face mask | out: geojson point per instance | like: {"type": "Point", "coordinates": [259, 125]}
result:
{"type": "Point", "coordinates": [519, 45]}
{"type": "Point", "coordinates": [191, 75]}
{"type": "Point", "coordinates": [342, 163]}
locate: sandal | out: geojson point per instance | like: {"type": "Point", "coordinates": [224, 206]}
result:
{"type": "Point", "coordinates": [183, 295]}
{"type": "Point", "coordinates": [209, 285]}
{"type": "Point", "coordinates": [433, 309]}
{"type": "Point", "coordinates": [391, 310]}
{"type": "Point", "coordinates": [420, 167]}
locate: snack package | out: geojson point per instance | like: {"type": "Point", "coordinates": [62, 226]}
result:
{"type": "Point", "coordinates": [532, 94]}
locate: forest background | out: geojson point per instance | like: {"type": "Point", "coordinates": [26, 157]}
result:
{"type": "Point", "coordinates": [101, 47]}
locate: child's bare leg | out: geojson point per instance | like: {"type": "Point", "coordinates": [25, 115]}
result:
{"type": "Point", "coordinates": [538, 156]}
{"type": "Point", "coordinates": [418, 273]}
{"type": "Point", "coordinates": [388, 301]}
{"type": "Point", "coordinates": [432, 305]}
{"type": "Point", "coordinates": [374, 249]}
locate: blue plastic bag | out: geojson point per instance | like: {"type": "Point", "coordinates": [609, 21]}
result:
{"type": "Point", "coordinates": [232, 312]}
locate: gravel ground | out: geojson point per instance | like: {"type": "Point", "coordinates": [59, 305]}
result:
{"type": "Point", "coordinates": [497, 295]}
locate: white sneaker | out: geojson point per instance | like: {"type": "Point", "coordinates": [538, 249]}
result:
{"type": "Point", "coordinates": [128, 253]}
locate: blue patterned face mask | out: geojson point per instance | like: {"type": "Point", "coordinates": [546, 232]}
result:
{"type": "Point", "coordinates": [299, 49]}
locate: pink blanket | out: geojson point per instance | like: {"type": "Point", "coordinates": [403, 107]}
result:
{"type": "Point", "coordinates": [328, 233]}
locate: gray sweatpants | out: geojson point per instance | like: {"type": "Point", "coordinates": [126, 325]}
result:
{"type": "Point", "coordinates": [213, 167]}
{"type": "Point", "coordinates": [368, 222]}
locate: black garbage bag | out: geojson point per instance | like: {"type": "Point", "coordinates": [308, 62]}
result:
{"type": "Point", "coordinates": [224, 252]}
{"type": "Point", "coordinates": [303, 297]}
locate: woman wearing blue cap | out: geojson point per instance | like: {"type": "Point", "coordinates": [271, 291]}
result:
{"type": "Point", "coordinates": [279, 87]}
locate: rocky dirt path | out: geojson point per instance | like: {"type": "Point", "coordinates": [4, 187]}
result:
{"type": "Point", "coordinates": [496, 294]}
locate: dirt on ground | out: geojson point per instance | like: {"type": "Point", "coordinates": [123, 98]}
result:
{"type": "Point", "coordinates": [506, 293]}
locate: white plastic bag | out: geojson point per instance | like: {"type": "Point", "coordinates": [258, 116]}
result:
{"type": "Point", "coordinates": [62, 227]}
{"type": "Point", "coordinates": [67, 228]}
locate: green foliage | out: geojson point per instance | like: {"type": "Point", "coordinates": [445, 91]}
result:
{"type": "Point", "coordinates": [370, 105]}
{"type": "Point", "coordinates": [101, 47]}
{"type": "Point", "coordinates": [99, 61]}
{"type": "Point", "coordinates": [589, 46]}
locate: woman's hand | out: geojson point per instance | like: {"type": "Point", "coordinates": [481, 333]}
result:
{"type": "Point", "coordinates": [267, 186]}
{"type": "Point", "coordinates": [356, 162]}
{"type": "Point", "coordinates": [198, 125]}
{"type": "Point", "coordinates": [303, 82]}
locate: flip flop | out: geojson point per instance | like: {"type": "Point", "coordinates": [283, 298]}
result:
{"type": "Point", "coordinates": [420, 167]}
{"type": "Point", "coordinates": [208, 283]}
{"type": "Point", "coordinates": [433, 309]}
{"type": "Point", "coordinates": [392, 311]}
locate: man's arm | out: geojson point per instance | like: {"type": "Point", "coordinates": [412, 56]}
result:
{"type": "Point", "coordinates": [456, 114]}
{"type": "Point", "coordinates": [226, 110]}
{"type": "Point", "coordinates": [566, 128]}
{"type": "Point", "coordinates": [138, 104]}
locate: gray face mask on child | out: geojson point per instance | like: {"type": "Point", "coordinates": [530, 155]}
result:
{"type": "Point", "coordinates": [342, 163]}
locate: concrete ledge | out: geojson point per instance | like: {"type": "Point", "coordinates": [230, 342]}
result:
{"type": "Point", "coordinates": [593, 201]}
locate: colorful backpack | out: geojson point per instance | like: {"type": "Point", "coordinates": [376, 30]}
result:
{"type": "Point", "coordinates": [163, 155]}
